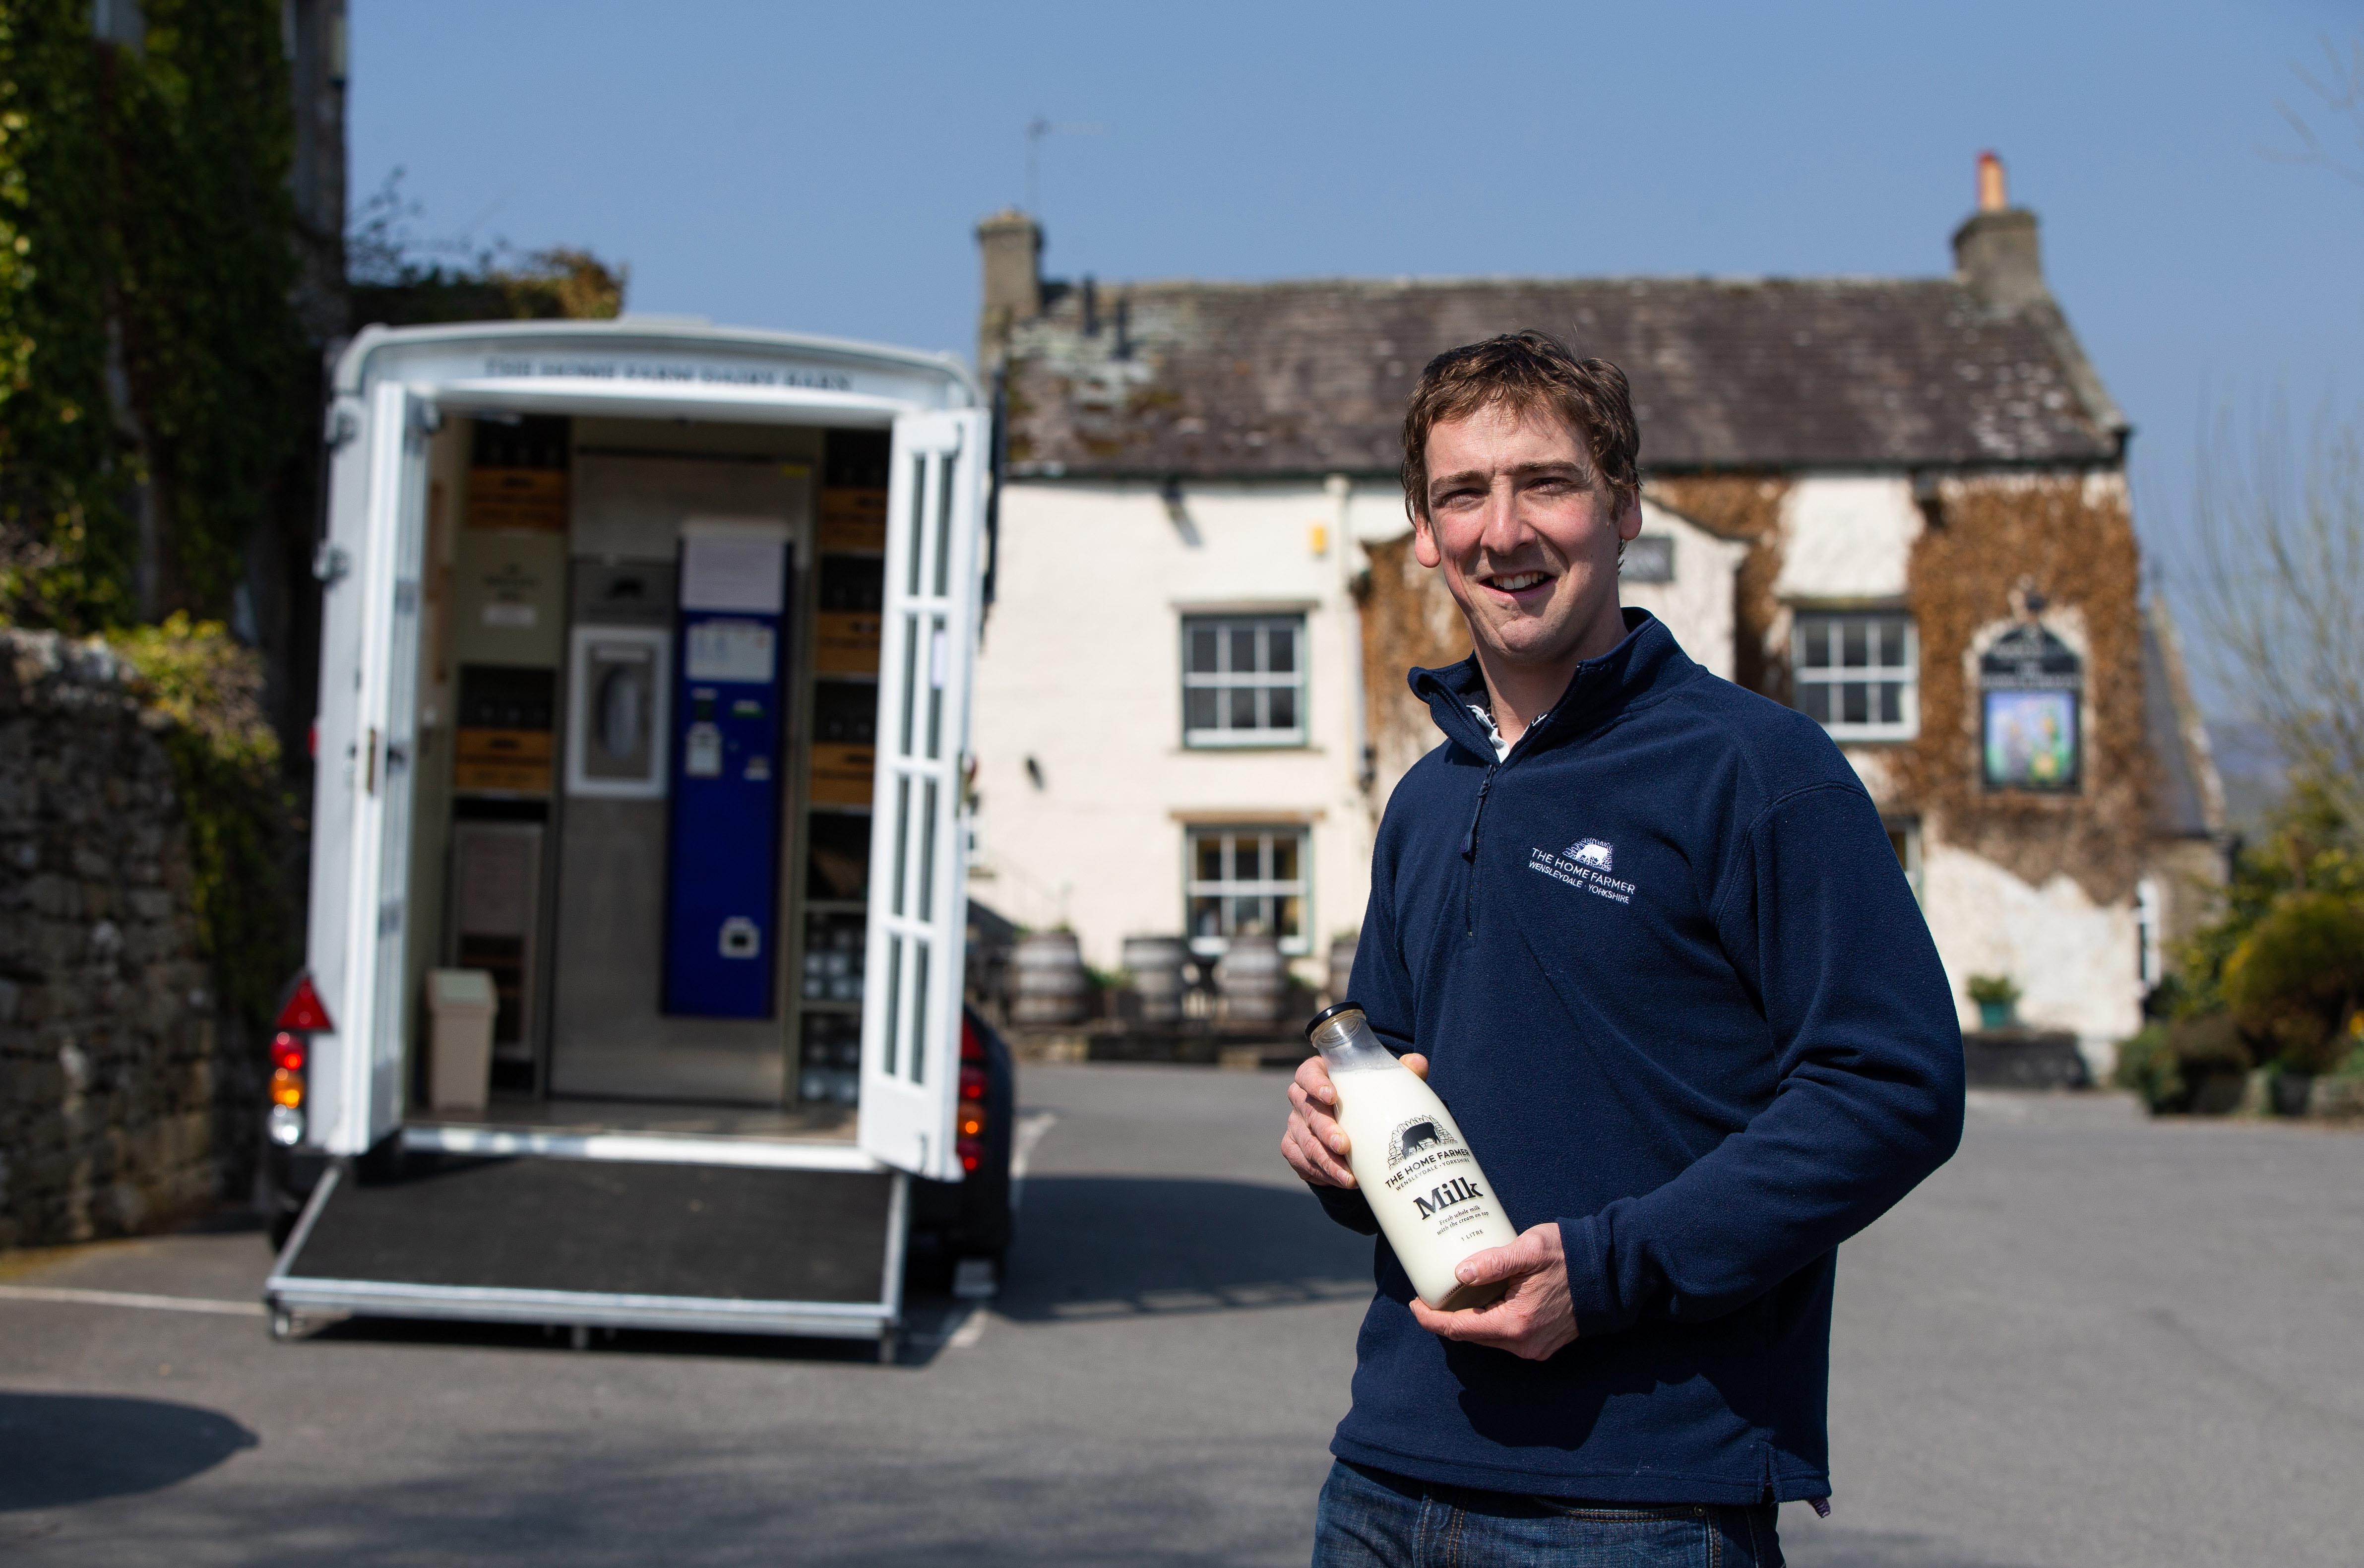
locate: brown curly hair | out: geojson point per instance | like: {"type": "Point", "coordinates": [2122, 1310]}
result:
{"type": "Point", "coordinates": [1528, 372]}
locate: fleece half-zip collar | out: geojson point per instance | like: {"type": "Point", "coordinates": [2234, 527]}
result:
{"type": "Point", "coordinates": [1645, 662]}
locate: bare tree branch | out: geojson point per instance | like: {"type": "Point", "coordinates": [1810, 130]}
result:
{"type": "Point", "coordinates": [2276, 573]}
{"type": "Point", "coordinates": [2339, 92]}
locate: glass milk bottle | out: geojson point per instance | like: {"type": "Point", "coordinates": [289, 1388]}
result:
{"type": "Point", "coordinates": [1434, 1204]}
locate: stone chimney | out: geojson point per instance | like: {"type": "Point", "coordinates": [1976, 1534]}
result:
{"type": "Point", "coordinates": [1010, 244]}
{"type": "Point", "coordinates": [1995, 254]}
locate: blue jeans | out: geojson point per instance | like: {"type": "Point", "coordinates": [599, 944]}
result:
{"type": "Point", "coordinates": [1372, 1519]}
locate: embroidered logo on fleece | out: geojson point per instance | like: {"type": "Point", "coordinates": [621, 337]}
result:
{"type": "Point", "coordinates": [1586, 864]}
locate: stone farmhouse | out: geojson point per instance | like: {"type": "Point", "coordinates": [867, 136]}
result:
{"type": "Point", "coordinates": [1898, 503]}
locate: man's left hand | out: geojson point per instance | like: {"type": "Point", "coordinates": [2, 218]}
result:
{"type": "Point", "coordinates": [1534, 1319]}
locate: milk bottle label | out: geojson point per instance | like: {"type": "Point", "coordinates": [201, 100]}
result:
{"type": "Point", "coordinates": [1428, 1162]}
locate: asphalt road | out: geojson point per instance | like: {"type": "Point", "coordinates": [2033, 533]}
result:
{"type": "Point", "coordinates": [2090, 1340]}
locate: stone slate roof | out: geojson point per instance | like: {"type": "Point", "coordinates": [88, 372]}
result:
{"type": "Point", "coordinates": [1205, 380]}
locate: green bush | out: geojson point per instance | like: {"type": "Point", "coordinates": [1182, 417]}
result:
{"type": "Point", "coordinates": [2191, 1064]}
{"type": "Point", "coordinates": [2295, 978]}
{"type": "Point", "coordinates": [240, 819]}
{"type": "Point", "coordinates": [1993, 990]}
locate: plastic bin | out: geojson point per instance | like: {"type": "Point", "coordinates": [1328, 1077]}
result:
{"type": "Point", "coordinates": [460, 1008]}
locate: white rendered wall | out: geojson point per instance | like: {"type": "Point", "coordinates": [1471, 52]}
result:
{"type": "Point", "coordinates": [1847, 537]}
{"type": "Point", "coordinates": [1698, 605]}
{"type": "Point", "coordinates": [1081, 670]}
{"type": "Point", "coordinates": [2074, 960]}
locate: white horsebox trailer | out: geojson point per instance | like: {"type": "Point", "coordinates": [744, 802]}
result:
{"type": "Point", "coordinates": [644, 722]}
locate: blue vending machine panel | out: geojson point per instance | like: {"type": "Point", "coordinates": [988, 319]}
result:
{"type": "Point", "coordinates": [722, 882]}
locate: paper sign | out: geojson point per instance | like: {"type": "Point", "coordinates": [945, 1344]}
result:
{"type": "Point", "coordinates": [732, 572]}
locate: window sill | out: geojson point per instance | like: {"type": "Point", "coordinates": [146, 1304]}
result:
{"type": "Point", "coordinates": [1257, 743]}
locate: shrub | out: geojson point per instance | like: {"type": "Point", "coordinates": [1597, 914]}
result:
{"type": "Point", "coordinates": [240, 819]}
{"type": "Point", "coordinates": [1993, 990]}
{"type": "Point", "coordinates": [2191, 1064]}
{"type": "Point", "coordinates": [2296, 977]}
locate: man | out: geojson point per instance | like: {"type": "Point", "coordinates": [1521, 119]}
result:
{"type": "Point", "coordinates": [1649, 937]}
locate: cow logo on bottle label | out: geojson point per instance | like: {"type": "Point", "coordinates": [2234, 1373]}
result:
{"type": "Point", "coordinates": [1411, 1137]}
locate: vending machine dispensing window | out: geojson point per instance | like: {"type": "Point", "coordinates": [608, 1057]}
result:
{"type": "Point", "coordinates": [721, 894]}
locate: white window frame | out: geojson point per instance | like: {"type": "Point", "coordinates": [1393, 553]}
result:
{"type": "Point", "coordinates": [2150, 945]}
{"type": "Point", "coordinates": [1227, 887]}
{"type": "Point", "coordinates": [1836, 677]}
{"type": "Point", "coordinates": [1225, 680]}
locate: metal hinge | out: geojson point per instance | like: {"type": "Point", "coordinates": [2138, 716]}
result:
{"type": "Point", "coordinates": [330, 563]}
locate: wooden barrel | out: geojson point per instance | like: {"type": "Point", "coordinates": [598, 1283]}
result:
{"type": "Point", "coordinates": [1048, 985]}
{"type": "Point", "coordinates": [1253, 980]}
{"type": "Point", "coordinates": [1342, 969]}
{"type": "Point", "coordinates": [1156, 964]}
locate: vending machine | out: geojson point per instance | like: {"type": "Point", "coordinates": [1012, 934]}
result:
{"type": "Point", "coordinates": [721, 886]}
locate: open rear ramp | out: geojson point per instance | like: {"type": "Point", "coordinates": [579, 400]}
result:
{"type": "Point", "coordinates": [602, 1243]}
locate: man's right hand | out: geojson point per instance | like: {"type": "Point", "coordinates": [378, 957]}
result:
{"type": "Point", "coordinates": [1313, 1143]}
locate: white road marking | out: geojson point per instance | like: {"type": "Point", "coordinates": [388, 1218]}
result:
{"type": "Point", "coordinates": [965, 1327]}
{"type": "Point", "coordinates": [1028, 1133]}
{"type": "Point", "coordinates": [130, 1298]}
{"type": "Point", "coordinates": [972, 1328]}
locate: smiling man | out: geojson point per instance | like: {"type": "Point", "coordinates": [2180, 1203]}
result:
{"type": "Point", "coordinates": [1644, 932]}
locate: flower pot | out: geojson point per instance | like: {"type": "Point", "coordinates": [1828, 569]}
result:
{"type": "Point", "coordinates": [2289, 1093]}
{"type": "Point", "coordinates": [1996, 1015]}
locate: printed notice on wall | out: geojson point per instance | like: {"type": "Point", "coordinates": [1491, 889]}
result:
{"type": "Point", "coordinates": [730, 650]}
{"type": "Point", "coordinates": [742, 571]}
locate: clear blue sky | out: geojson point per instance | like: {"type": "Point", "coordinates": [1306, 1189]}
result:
{"type": "Point", "coordinates": [820, 166]}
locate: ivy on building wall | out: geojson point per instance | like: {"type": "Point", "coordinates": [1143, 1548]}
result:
{"type": "Point", "coordinates": [152, 364]}
{"type": "Point", "coordinates": [226, 763]}
{"type": "Point", "coordinates": [2071, 540]}
{"type": "Point", "coordinates": [1744, 507]}
{"type": "Point", "coordinates": [146, 333]}
{"type": "Point", "coordinates": [203, 135]}
{"type": "Point", "coordinates": [66, 543]}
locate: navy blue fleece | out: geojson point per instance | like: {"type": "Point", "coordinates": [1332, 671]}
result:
{"type": "Point", "coordinates": [1673, 985]}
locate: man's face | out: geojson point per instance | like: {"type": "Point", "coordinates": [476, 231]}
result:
{"type": "Point", "coordinates": [1524, 533]}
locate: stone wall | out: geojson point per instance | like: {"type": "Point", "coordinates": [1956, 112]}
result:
{"type": "Point", "coordinates": [127, 1101]}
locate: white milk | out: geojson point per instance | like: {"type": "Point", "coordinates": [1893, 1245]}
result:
{"type": "Point", "coordinates": [1409, 1157]}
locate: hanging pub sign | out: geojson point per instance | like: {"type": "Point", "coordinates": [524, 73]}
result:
{"type": "Point", "coordinates": [2031, 689]}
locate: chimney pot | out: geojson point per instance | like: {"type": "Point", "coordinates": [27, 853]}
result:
{"type": "Point", "coordinates": [1993, 192]}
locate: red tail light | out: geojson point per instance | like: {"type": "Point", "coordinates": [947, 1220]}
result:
{"type": "Point", "coordinates": [969, 1123]}
{"type": "Point", "coordinates": [302, 1017]}
{"type": "Point", "coordinates": [304, 1011]}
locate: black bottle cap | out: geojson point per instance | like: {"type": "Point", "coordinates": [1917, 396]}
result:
{"type": "Point", "coordinates": [1332, 1011]}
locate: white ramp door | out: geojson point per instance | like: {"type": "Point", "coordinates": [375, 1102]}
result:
{"type": "Point", "coordinates": [385, 744]}
{"type": "Point", "coordinates": [919, 872]}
